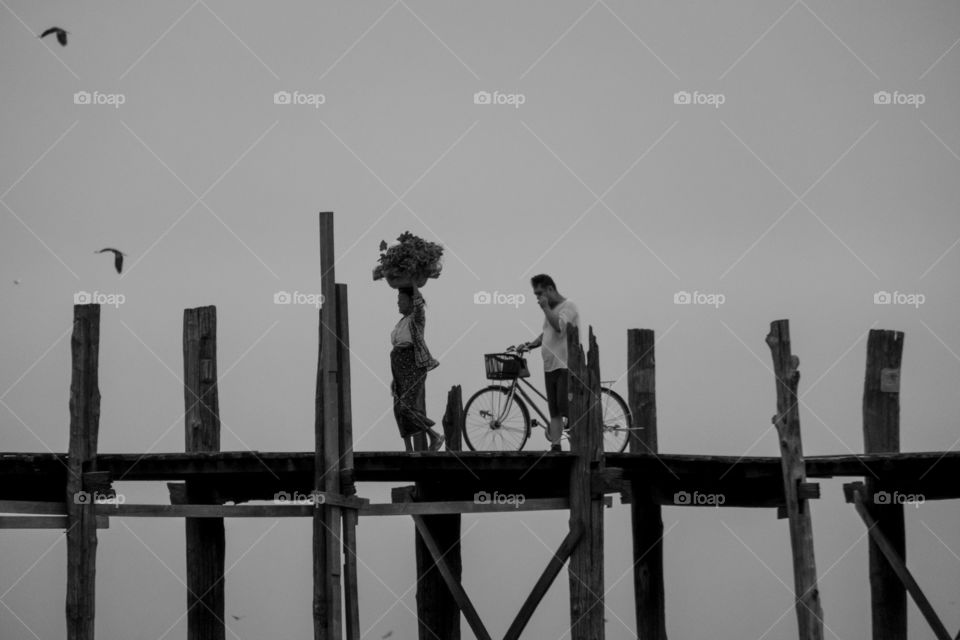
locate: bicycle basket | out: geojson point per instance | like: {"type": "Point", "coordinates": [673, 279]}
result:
{"type": "Point", "coordinates": [505, 366]}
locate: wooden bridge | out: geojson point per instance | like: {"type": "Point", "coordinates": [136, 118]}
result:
{"type": "Point", "coordinates": [73, 490]}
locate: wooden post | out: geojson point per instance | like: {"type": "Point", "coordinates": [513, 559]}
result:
{"type": "Point", "coordinates": [84, 430]}
{"type": "Point", "coordinates": [787, 421]}
{"type": "Point", "coordinates": [881, 434]}
{"type": "Point", "coordinates": [453, 419]}
{"type": "Point", "coordinates": [586, 562]}
{"type": "Point", "coordinates": [645, 513]}
{"type": "Point", "coordinates": [206, 545]}
{"type": "Point", "coordinates": [326, 518]}
{"type": "Point", "coordinates": [437, 611]}
{"type": "Point", "coordinates": [352, 604]}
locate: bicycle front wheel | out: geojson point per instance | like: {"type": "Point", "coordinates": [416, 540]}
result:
{"type": "Point", "coordinates": [616, 421]}
{"type": "Point", "coordinates": [493, 421]}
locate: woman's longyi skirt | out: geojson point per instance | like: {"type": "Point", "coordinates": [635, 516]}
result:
{"type": "Point", "coordinates": [409, 392]}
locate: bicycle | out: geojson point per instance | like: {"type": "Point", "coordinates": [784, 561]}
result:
{"type": "Point", "coordinates": [496, 418]}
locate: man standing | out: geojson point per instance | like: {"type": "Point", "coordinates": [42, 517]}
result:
{"type": "Point", "coordinates": [558, 314]}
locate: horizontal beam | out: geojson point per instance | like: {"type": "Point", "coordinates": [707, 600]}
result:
{"type": "Point", "coordinates": [289, 510]}
{"type": "Point", "coordinates": [389, 466]}
{"type": "Point", "coordinates": [44, 522]}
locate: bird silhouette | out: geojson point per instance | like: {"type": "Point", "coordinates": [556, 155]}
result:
{"type": "Point", "coordinates": [383, 245]}
{"type": "Point", "coordinates": [61, 35]}
{"type": "Point", "coordinates": [117, 257]}
{"type": "Point", "coordinates": [387, 634]}
{"type": "Point", "coordinates": [236, 617]}
{"type": "Point", "coordinates": [16, 281]}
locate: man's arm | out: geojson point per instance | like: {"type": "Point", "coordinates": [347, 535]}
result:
{"type": "Point", "coordinates": [536, 342]}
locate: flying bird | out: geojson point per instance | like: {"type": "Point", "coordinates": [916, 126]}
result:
{"type": "Point", "coordinates": [387, 634]}
{"type": "Point", "coordinates": [237, 617]}
{"type": "Point", "coordinates": [61, 35]}
{"type": "Point", "coordinates": [117, 257]}
{"type": "Point", "coordinates": [17, 281]}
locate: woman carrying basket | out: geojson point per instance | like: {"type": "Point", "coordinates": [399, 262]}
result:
{"type": "Point", "coordinates": [410, 360]}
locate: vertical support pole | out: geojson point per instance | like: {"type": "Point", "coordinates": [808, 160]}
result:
{"type": "Point", "coordinates": [82, 456]}
{"type": "Point", "coordinates": [787, 421]}
{"type": "Point", "coordinates": [437, 611]}
{"type": "Point", "coordinates": [586, 562]}
{"type": "Point", "coordinates": [326, 518]}
{"type": "Point", "coordinates": [645, 513]}
{"type": "Point", "coordinates": [206, 545]}
{"type": "Point", "coordinates": [881, 434]}
{"type": "Point", "coordinates": [347, 486]}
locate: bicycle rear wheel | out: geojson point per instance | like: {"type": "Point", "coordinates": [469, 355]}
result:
{"type": "Point", "coordinates": [617, 421]}
{"type": "Point", "coordinates": [491, 424]}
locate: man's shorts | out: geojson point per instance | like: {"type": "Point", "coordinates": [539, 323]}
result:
{"type": "Point", "coordinates": [556, 382]}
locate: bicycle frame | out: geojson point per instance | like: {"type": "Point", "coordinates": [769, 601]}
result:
{"type": "Point", "coordinates": [514, 388]}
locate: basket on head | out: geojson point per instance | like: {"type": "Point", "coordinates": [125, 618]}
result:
{"type": "Point", "coordinates": [505, 366]}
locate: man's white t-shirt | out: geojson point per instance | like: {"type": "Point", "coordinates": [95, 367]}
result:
{"type": "Point", "coordinates": [554, 344]}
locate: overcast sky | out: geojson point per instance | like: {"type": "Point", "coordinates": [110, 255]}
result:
{"type": "Point", "coordinates": [785, 187]}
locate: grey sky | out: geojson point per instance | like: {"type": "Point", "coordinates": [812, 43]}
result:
{"type": "Point", "coordinates": [798, 198]}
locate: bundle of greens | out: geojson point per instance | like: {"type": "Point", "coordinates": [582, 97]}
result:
{"type": "Point", "coordinates": [412, 258]}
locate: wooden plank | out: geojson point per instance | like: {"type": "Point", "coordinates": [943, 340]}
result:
{"type": "Point", "coordinates": [585, 569]}
{"type": "Point", "coordinates": [543, 584]}
{"type": "Point", "coordinates": [327, 624]}
{"type": "Point", "coordinates": [463, 601]}
{"type": "Point", "coordinates": [257, 475]}
{"type": "Point", "coordinates": [296, 510]}
{"type": "Point", "coordinates": [896, 563]}
{"type": "Point", "coordinates": [27, 506]}
{"type": "Point", "coordinates": [84, 428]}
{"type": "Point", "coordinates": [881, 434]}
{"type": "Point", "coordinates": [205, 537]}
{"type": "Point", "coordinates": [44, 522]}
{"type": "Point", "coordinates": [646, 517]}
{"type": "Point", "coordinates": [350, 582]}
{"type": "Point", "coordinates": [787, 421]}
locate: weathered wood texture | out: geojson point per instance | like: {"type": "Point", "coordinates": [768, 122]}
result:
{"type": "Point", "coordinates": [787, 421]}
{"type": "Point", "coordinates": [544, 582]}
{"type": "Point", "coordinates": [205, 539]}
{"type": "Point", "coordinates": [881, 434]}
{"type": "Point", "coordinates": [645, 513]}
{"type": "Point", "coordinates": [327, 623]}
{"type": "Point", "coordinates": [347, 484]}
{"type": "Point", "coordinates": [855, 494]}
{"type": "Point", "coordinates": [437, 610]}
{"type": "Point", "coordinates": [82, 456]}
{"type": "Point", "coordinates": [452, 581]}
{"type": "Point", "coordinates": [585, 568]}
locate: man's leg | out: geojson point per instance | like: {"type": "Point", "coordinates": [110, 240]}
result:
{"type": "Point", "coordinates": [555, 428]}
